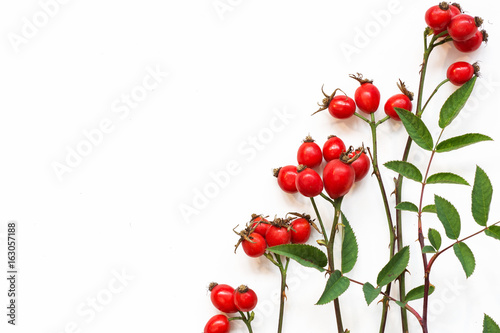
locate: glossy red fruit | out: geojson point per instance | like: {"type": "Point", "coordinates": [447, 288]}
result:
{"type": "Point", "coordinates": [361, 165]}
{"type": "Point", "coordinates": [255, 246]}
{"type": "Point", "coordinates": [309, 153]}
{"type": "Point", "coordinates": [338, 178]}
{"type": "Point", "coordinates": [277, 235]}
{"type": "Point", "coordinates": [260, 225]}
{"type": "Point", "coordinates": [245, 298]}
{"type": "Point", "coordinates": [333, 147]}
{"type": "Point", "coordinates": [221, 296]}
{"type": "Point", "coordinates": [286, 178]}
{"type": "Point", "coordinates": [301, 230]}
{"type": "Point", "coordinates": [463, 27]}
{"type": "Point", "coordinates": [397, 101]}
{"type": "Point", "coordinates": [367, 96]}
{"type": "Point", "coordinates": [437, 17]}
{"type": "Point", "coordinates": [308, 182]}
{"type": "Point", "coordinates": [342, 107]}
{"type": "Point", "coordinates": [460, 72]}
{"type": "Point", "coordinates": [473, 43]}
{"type": "Point", "coordinates": [217, 324]}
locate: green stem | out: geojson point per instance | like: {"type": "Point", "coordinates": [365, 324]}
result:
{"type": "Point", "coordinates": [282, 291]}
{"type": "Point", "coordinates": [323, 231]}
{"type": "Point", "coordinates": [433, 93]}
{"type": "Point", "coordinates": [246, 319]}
{"type": "Point", "coordinates": [331, 263]}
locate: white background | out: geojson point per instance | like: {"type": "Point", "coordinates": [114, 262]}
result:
{"type": "Point", "coordinates": [233, 67]}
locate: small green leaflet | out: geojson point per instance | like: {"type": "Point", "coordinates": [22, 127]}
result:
{"type": "Point", "coordinates": [493, 231]}
{"type": "Point", "coordinates": [416, 129]}
{"type": "Point", "coordinates": [395, 267]}
{"type": "Point", "coordinates": [306, 255]}
{"type": "Point", "coordinates": [455, 103]}
{"type": "Point", "coordinates": [435, 238]}
{"type": "Point", "coordinates": [446, 178]}
{"type": "Point", "coordinates": [349, 247]}
{"type": "Point", "coordinates": [406, 169]}
{"type": "Point", "coordinates": [428, 249]}
{"type": "Point", "coordinates": [449, 217]}
{"type": "Point", "coordinates": [335, 286]}
{"type": "Point", "coordinates": [370, 292]}
{"type": "Point", "coordinates": [461, 141]}
{"type": "Point", "coordinates": [409, 206]}
{"type": "Point", "coordinates": [418, 293]}
{"type": "Point", "coordinates": [429, 209]}
{"type": "Point", "coordinates": [489, 325]}
{"type": "Point", "coordinates": [482, 192]}
{"type": "Point", "coordinates": [466, 258]}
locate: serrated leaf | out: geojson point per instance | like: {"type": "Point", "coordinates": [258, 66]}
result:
{"type": "Point", "coordinates": [428, 249]}
{"type": "Point", "coordinates": [461, 141]}
{"type": "Point", "coordinates": [435, 238]}
{"type": "Point", "coordinates": [394, 267]}
{"type": "Point", "coordinates": [406, 169]}
{"type": "Point", "coordinates": [455, 103]}
{"type": "Point", "coordinates": [449, 217]}
{"type": "Point", "coordinates": [429, 209]}
{"type": "Point", "coordinates": [493, 231]}
{"type": "Point", "coordinates": [335, 286]}
{"type": "Point", "coordinates": [416, 129]}
{"type": "Point", "coordinates": [482, 192]}
{"type": "Point", "coordinates": [306, 255]}
{"type": "Point", "coordinates": [418, 292]}
{"type": "Point", "coordinates": [406, 205]}
{"type": "Point", "coordinates": [349, 247]}
{"type": "Point", "coordinates": [466, 258]}
{"type": "Point", "coordinates": [489, 325]}
{"type": "Point", "coordinates": [446, 178]}
{"type": "Point", "coordinates": [370, 292]}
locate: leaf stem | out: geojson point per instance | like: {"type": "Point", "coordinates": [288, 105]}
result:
{"type": "Point", "coordinates": [323, 231]}
{"type": "Point", "coordinates": [433, 93]}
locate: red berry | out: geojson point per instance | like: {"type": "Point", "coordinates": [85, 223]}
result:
{"type": "Point", "coordinates": [463, 27]}
{"type": "Point", "coordinates": [245, 298]}
{"type": "Point", "coordinates": [301, 230]}
{"type": "Point", "coordinates": [255, 246]}
{"type": "Point", "coordinates": [338, 178]}
{"type": "Point", "coordinates": [361, 165]}
{"type": "Point", "coordinates": [277, 235]}
{"type": "Point", "coordinates": [309, 153]}
{"type": "Point", "coordinates": [332, 148]}
{"type": "Point", "coordinates": [437, 17]}
{"type": "Point", "coordinates": [397, 101]}
{"type": "Point", "coordinates": [342, 107]}
{"type": "Point", "coordinates": [286, 178]}
{"type": "Point", "coordinates": [217, 324]}
{"type": "Point", "coordinates": [308, 182]}
{"type": "Point", "coordinates": [473, 43]}
{"type": "Point", "coordinates": [367, 96]}
{"type": "Point", "coordinates": [460, 72]}
{"type": "Point", "coordinates": [260, 225]}
{"type": "Point", "coordinates": [221, 296]}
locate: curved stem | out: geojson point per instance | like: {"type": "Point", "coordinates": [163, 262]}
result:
{"type": "Point", "coordinates": [282, 292]}
{"type": "Point", "coordinates": [433, 93]}
{"type": "Point", "coordinates": [323, 231]}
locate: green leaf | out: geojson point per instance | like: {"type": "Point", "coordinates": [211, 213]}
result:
{"type": "Point", "coordinates": [401, 304]}
{"type": "Point", "coordinates": [435, 238]}
{"type": "Point", "coordinates": [481, 197]}
{"type": "Point", "coordinates": [370, 292]}
{"type": "Point", "coordinates": [449, 217]}
{"type": "Point", "coordinates": [306, 255]}
{"type": "Point", "coordinates": [335, 286]}
{"type": "Point", "coordinates": [493, 231]}
{"type": "Point", "coordinates": [489, 325]}
{"type": "Point", "coordinates": [416, 129]}
{"type": "Point", "coordinates": [461, 141]}
{"type": "Point", "coordinates": [429, 209]}
{"type": "Point", "coordinates": [406, 169]}
{"type": "Point", "coordinates": [418, 292]}
{"type": "Point", "coordinates": [455, 103]}
{"type": "Point", "coordinates": [446, 178]}
{"type": "Point", "coordinates": [428, 249]}
{"type": "Point", "coordinates": [409, 206]}
{"type": "Point", "coordinates": [349, 247]}
{"type": "Point", "coordinates": [394, 267]}
{"type": "Point", "coordinates": [464, 254]}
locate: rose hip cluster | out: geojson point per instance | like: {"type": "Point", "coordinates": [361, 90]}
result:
{"type": "Point", "coordinates": [462, 28]}
{"type": "Point", "coordinates": [229, 300]}
{"type": "Point", "coordinates": [343, 168]}
{"type": "Point", "coordinates": [261, 233]}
